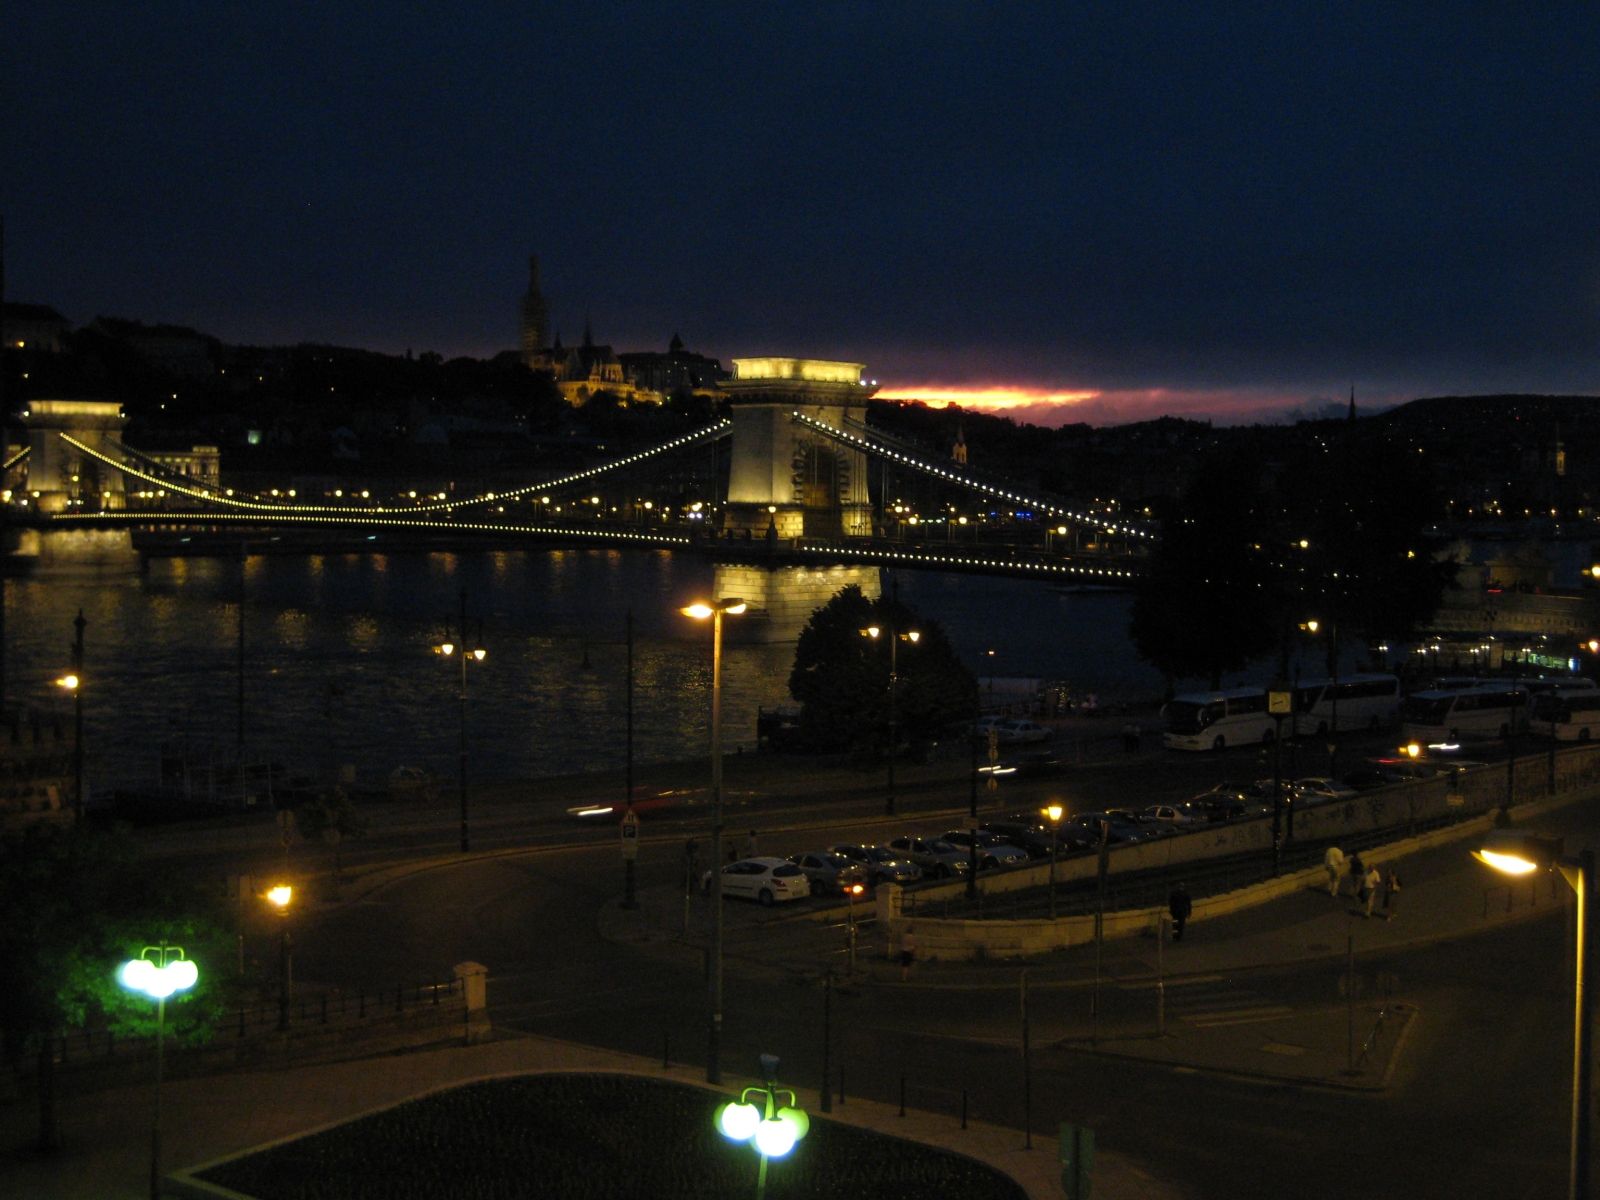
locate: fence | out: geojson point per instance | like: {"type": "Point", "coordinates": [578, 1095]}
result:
{"type": "Point", "coordinates": [329, 1025]}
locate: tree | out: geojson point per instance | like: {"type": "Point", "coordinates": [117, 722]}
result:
{"type": "Point", "coordinates": [1358, 550]}
{"type": "Point", "coordinates": [1209, 601]}
{"type": "Point", "coordinates": [334, 818]}
{"type": "Point", "coordinates": [74, 903]}
{"type": "Point", "coordinates": [841, 678]}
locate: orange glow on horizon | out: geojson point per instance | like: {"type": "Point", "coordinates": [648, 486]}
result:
{"type": "Point", "coordinates": [998, 398]}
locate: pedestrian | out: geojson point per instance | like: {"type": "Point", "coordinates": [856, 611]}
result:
{"type": "Point", "coordinates": [1358, 872]}
{"type": "Point", "coordinates": [1391, 895]}
{"type": "Point", "coordinates": [749, 849]}
{"type": "Point", "coordinates": [1180, 905]}
{"type": "Point", "coordinates": [1333, 864]}
{"type": "Point", "coordinates": [1370, 883]}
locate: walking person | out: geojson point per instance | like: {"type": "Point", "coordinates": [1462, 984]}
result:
{"type": "Point", "coordinates": [1358, 872]}
{"type": "Point", "coordinates": [1391, 895]}
{"type": "Point", "coordinates": [1333, 864]}
{"type": "Point", "coordinates": [1370, 883]}
{"type": "Point", "coordinates": [1179, 905]}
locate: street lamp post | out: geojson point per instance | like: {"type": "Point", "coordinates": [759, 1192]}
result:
{"type": "Point", "coordinates": [1054, 813]}
{"type": "Point", "coordinates": [1280, 702]}
{"type": "Point", "coordinates": [911, 635]}
{"type": "Point", "coordinates": [158, 978]}
{"type": "Point", "coordinates": [447, 648]}
{"type": "Point", "coordinates": [772, 1130]}
{"type": "Point", "coordinates": [1521, 854]}
{"type": "Point", "coordinates": [279, 898]}
{"type": "Point", "coordinates": [715, 611]}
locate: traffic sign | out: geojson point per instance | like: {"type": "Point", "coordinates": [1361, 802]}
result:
{"type": "Point", "coordinates": [1280, 703]}
{"type": "Point", "coordinates": [630, 835]}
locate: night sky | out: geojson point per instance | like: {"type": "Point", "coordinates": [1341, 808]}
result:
{"type": "Point", "coordinates": [1165, 207]}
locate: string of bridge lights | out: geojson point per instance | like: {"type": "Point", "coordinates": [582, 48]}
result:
{"type": "Point", "coordinates": [710, 431]}
{"type": "Point", "coordinates": [15, 458]}
{"type": "Point", "coordinates": [963, 480]}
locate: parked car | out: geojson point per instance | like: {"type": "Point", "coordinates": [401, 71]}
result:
{"type": "Point", "coordinates": [1139, 820]}
{"type": "Point", "coordinates": [978, 731]}
{"type": "Point", "coordinates": [881, 863]}
{"type": "Point", "coordinates": [938, 859]}
{"type": "Point", "coordinates": [1217, 807]}
{"type": "Point", "coordinates": [1087, 825]}
{"type": "Point", "coordinates": [1017, 733]}
{"type": "Point", "coordinates": [1364, 779]}
{"type": "Point", "coordinates": [1032, 838]}
{"type": "Point", "coordinates": [767, 880]}
{"type": "Point", "coordinates": [1319, 789]}
{"type": "Point", "coordinates": [830, 874]}
{"type": "Point", "coordinates": [992, 850]}
{"type": "Point", "coordinates": [1175, 815]}
{"type": "Point", "coordinates": [1038, 766]}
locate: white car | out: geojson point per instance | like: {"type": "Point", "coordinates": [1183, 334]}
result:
{"type": "Point", "coordinates": [1319, 789]}
{"type": "Point", "coordinates": [767, 880]}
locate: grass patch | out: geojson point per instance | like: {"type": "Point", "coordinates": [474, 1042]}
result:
{"type": "Point", "coordinates": [590, 1137]}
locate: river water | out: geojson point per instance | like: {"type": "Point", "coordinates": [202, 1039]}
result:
{"type": "Point", "coordinates": [339, 667]}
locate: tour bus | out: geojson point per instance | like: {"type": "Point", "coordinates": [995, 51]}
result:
{"type": "Point", "coordinates": [1489, 710]}
{"type": "Point", "coordinates": [1359, 701]}
{"type": "Point", "coordinates": [1214, 720]}
{"type": "Point", "coordinates": [1569, 714]}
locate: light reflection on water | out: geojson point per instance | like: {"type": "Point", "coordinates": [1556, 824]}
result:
{"type": "Point", "coordinates": [340, 667]}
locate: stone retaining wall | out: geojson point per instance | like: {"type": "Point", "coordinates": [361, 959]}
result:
{"type": "Point", "coordinates": [1471, 795]}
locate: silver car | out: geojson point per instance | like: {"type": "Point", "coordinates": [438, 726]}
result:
{"type": "Point", "coordinates": [938, 859]}
{"type": "Point", "coordinates": [830, 874]}
{"type": "Point", "coordinates": [882, 864]}
{"type": "Point", "coordinates": [992, 851]}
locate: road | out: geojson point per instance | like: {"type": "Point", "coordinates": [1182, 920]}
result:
{"type": "Point", "coordinates": [1477, 1106]}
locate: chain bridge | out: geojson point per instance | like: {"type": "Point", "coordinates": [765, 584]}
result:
{"type": "Point", "coordinates": [792, 496]}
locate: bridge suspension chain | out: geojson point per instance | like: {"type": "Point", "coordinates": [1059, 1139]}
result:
{"type": "Point", "coordinates": [966, 481]}
{"type": "Point", "coordinates": [718, 430]}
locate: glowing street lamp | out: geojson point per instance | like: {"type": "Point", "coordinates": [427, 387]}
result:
{"type": "Point", "coordinates": [163, 975]}
{"type": "Point", "coordinates": [771, 1129]}
{"type": "Point", "coordinates": [279, 898]}
{"type": "Point", "coordinates": [1054, 812]}
{"type": "Point", "coordinates": [447, 649]}
{"type": "Point", "coordinates": [913, 636]}
{"type": "Point", "coordinates": [1514, 853]}
{"type": "Point", "coordinates": [700, 611]}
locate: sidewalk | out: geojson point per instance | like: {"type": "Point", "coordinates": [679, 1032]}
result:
{"type": "Point", "coordinates": [108, 1134]}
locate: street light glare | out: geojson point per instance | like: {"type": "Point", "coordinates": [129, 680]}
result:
{"type": "Point", "coordinates": [738, 1121]}
{"type": "Point", "coordinates": [1054, 812]}
{"type": "Point", "coordinates": [870, 631]}
{"type": "Point", "coordinates": [70, 682]}
{"type": "Point", "coordinates": [280, 895]}
{"type": "Point", "coordinates": [775, 1138]}
{"type": "Point", "coordinates": [735, 608]}
{"type": "Point", "coordinates": [478, 654]}
{"type": "Point", "coordinates": [447, 649]}
{"type": "Point", "coordinates": [914, 636]}
{"type": "Point", "coordinates": [700, 612]}
{"type": "Point", "coordinates": [1510, 864]}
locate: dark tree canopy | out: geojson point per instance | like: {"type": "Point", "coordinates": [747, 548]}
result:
{"type": "Point", "coordinates": [1208, 604]}
{"type": "Point", "coordinates": [1341, 535]}
{"type": "Point", "coordinates": [75, 903]}
{"type": "Point", "coordinates": [841, 678]}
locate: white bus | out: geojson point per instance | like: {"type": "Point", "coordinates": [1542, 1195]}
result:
{"type": "Point", "coordinates": [1215, 720]}
{"type": "Point", "coordinates": [1358, 701]}
{"type": "Point", "coordinates": [1490, 710]}
{"type": "Point", "coordinates": [1568, 714]}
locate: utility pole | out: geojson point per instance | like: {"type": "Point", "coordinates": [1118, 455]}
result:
{"type": "Point", "coordinates": [465, 845]}
{"type": "Point", "coordinates": [244, 556]}
{"type": "Point", "coordinates": [77, 712]}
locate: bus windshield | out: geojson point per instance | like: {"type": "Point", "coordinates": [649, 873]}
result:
{"type": "Point", "coordinates": [1427, 710]}
{"type": "Point", "coordinates": [1185, 716]}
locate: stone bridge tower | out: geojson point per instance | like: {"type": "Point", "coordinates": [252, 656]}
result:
{"type": "Point", "coordinates": [62, 478]}
{"type": "Point", "coordinates": [785, 474]}
{"type": "Point", "coordinates": [802, 482]}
